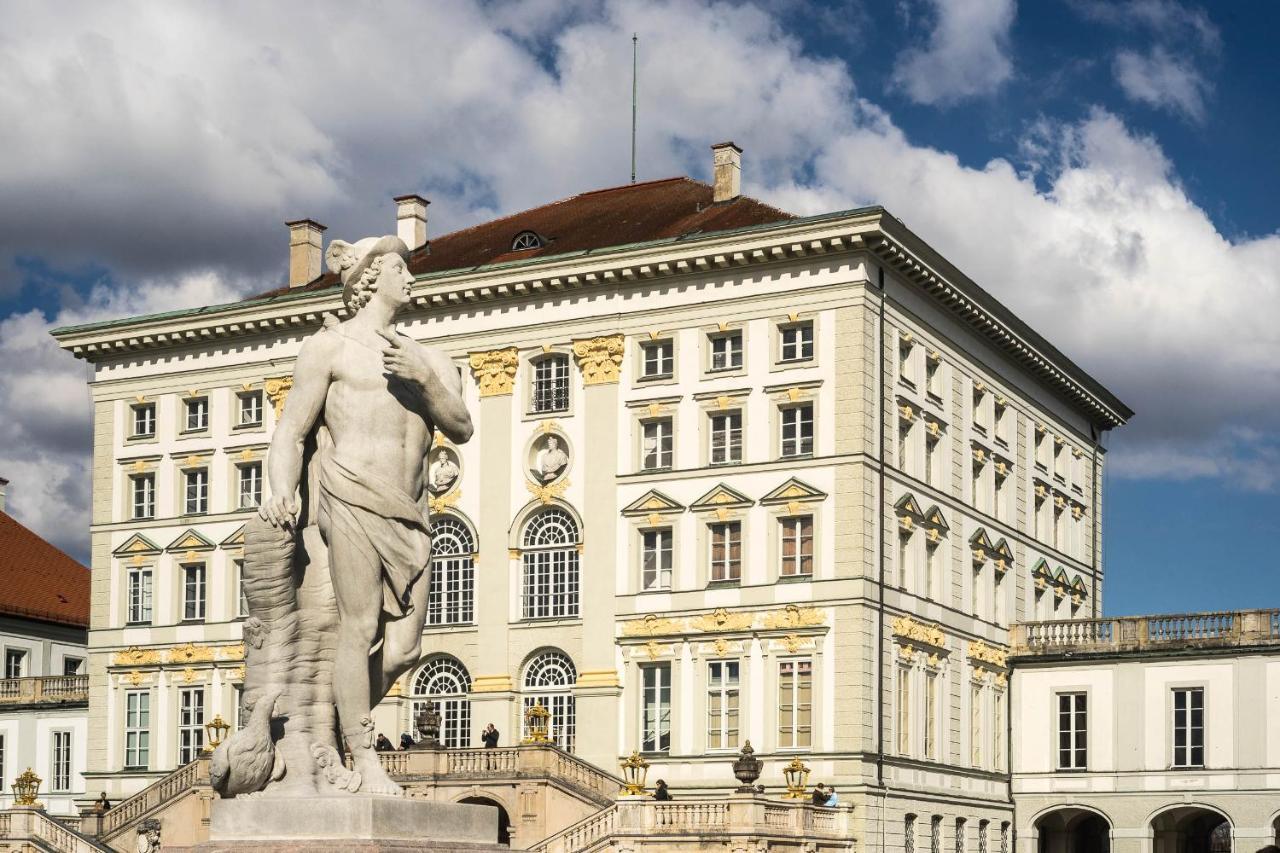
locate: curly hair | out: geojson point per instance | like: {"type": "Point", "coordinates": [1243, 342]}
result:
{"type": "Point", "coordinates": [364, 289]}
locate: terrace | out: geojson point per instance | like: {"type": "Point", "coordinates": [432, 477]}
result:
{"type": "Point", "coordinates": [1175, 632]}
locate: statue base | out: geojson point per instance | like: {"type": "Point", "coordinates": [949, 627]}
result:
{"type": "Point", "coordinates": [349, 823]}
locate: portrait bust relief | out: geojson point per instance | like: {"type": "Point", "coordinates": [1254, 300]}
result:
{"type": "Point", "coordinates": [443, 471]}
{"type": "Point", "coordinates": [548, 458]}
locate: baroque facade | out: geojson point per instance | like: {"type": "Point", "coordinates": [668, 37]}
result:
{"type": "Point", "coordinates": [736, 475]}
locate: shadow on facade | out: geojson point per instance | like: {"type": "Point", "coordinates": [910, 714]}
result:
{"type": "Point", "coordinates": [1191, 829]}
{"type": "Point", "coordinates": [504, 820]}
{"type": "Point", "coordinates": [1072, 830]}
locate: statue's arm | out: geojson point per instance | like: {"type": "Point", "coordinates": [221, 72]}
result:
{"type": "Point", "coordinates": [311, 377]}
{"type": "Point", "coordinates": [437, 379]}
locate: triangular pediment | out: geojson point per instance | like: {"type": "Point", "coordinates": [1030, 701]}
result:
{"type": "Point", "coordinates": [1061, 577]}
{"type": "Point", "coordinates": [1077, 585]}
{"type": "Point", "coordinates": [1003, 550]}
{"type": "Point", "coordinates": [933, 517]}
{"type": "Point", "coordinates": [190, 540]}
{"type": "Point", "coordinates": [650, 502]}
{"type": "Point", "coordinates": [980, 540]}
{"type": "Point", "coordinates": [136, 545]}
{"type": "Point", "coordinates": [722, 497]}
{"type": "Point", "coordinates": [1042, 568]}
{"type": "Point", "coordinates": [793, 490]}
{"type": "Point", "coordinates": [235, 540]}
{"type": "Point", "coordinates": [906, 505]}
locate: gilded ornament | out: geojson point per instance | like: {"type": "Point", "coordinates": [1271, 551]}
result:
{"type": "Point", "coordinates": [440, 503]}
{"type": "Point", "coordinates": [722, 620]}
{"type": "Point", "coordinates": [599, 358]}
{"type": "Point", "coordinates": [277, 391]}
{"type": "Point", "coordinates": [546, 494]}
{"type": "Point", "coordinates": [190, 653]}
{"type": "Point", "coordinates": [908, 628]}
{"type": "Point", "coordinates": [986, 653]}
{"type": "Point", "coordinates": [794, 617]}
{"type": "Point", "coordinates": [233, 652]}
{"type": "Point", "coordinates": [721, 646]}
{"type": "Point", "coordinates": [906, 653]}
{"type": "Point", "coordinates": [722, 402]}
{"type": "Point", "coordinates": [495, 370]}
{"type": "Point", "coordinates": [134, 656]}
{"type": "Point", "coordinates": [793, 643]}
{"type": "Point", "coordinates": [651, 625]}
{"type": "Point", "coordinates": [654, 650]}
{"type": "Point", "coordinates": [654, 409]}
{"type": "Point", "coordinates": [189, 675]}
{"type": "Point", "coordinates": [134, 677]}
{"type": "Point", "coordinates": [654, 518]}
{"type": "Point", "coordinates": [793, 394]}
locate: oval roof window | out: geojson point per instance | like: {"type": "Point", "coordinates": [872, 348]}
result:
{"type": "Point", "coordinates": [526, 240]}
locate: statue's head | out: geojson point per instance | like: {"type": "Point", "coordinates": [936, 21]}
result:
{"type": "Point", "coordinates": [371, 266]}
{"type": "Point", "coordinates": [552, 442]}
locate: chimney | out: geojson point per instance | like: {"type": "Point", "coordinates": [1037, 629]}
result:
{"type": "Point", "coordinates": [3, 488]}
{"type": "Point", "coordinates": [411, 220]}
{"type": "Point", "coordinates": [306, 251]}
{"type": "Point", "coordinates": [727, 159]}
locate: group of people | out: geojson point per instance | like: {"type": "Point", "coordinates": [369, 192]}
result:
{"type": "Point", "coordinates": [825, 795]}
{"type": "Point", "coordinates": [489, 737]}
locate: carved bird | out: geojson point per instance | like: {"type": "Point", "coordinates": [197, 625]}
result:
{"type": "Point", "coordinates": [245, 761]}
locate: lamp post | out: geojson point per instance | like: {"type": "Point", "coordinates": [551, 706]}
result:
{"type": "Point", "coordinates": [634, 771]}
{"type": "Point", "coordinates": [797, 775]}
{"type": "Point", "coordinates": [746, 769]}
{"type": "Point", "coordinates": [25, 788]}
{"type": "Point", "coordinates": [536, 723]}
{"type": "Point", "coordinates": [217, 729]}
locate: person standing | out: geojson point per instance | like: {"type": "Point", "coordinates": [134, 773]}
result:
{"type": "Point", "coordinates": [819, 795]}
{"type": "Point", "coordinates": [832, 799]}
{"type": "Point", "coordinates": [661, 792]}
{"type": "Point", "coordinates": [489, 737]}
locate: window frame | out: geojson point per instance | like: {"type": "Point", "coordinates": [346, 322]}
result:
{"type": "Point", "coordinates": [1190, 747]}
{"type": "Point", "coordinates": [144, 577]}
{"type": "Point", "coordinates": [655, 707]}
{"type": "Point", "coordinates": [668, 437]}
{"type": "Point", "coordinates": [798, 558]}
{"type": "Point", "coordinates": [1076, 720]}
{"type": "Point", "coordinates": [732, 568]}
{"type": "Point", "coordinates": [61, 761]}
{"type": "Point", "coordinates": [718, 337]}
{"type": "Point", "coordinates": [254, 397]}
{"type": "Point", "coordinates": [728, 415]}
{"type": "Point", "coordinates": [665, 350]}
{"type": "Point", "coordinates": [194, 609]}
{"type": "Point", "coordinates": [19, 657]}
{"type": "Point", "coordinates": [190, 406]}
{"type": "Point", "coordinates": [257, 482]}
{"type": "Point", "coordinates": [801, 723]}
{"type": "Point", "coordinates": [146, 480]}
{"type": "Point", "coordinates": [137, 735]}
{"type": "Point", "coordinates": [657, 532]}
{"type": "Point", "coordinates": [724, 688]}
{"type": "Point", "coordinates": [798, 440]}
{"type": "Point", "coordinates": [190, 734]}
{"type": "Point", "coordinates": [804, 346]}
{"type": "Point", "coordinates": [535, 405]}
{"type": "Point", "coordinates": [201, 500]}
{"type": "Point", "coordinates": [135, 410]}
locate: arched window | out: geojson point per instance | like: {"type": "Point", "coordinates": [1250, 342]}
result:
{"type": "Point", "coordinates": [445, 682]}
{"type": "Point", "coordinates": [548, 681]}
{"type": "Point", "coordinates": [526, 240]}
{"type": "Point", "coordinates": [550, 546]}
{"type": "Point", "coordinates": [451, 597]}
{"type": "Point", "coordinates": [550, 389]}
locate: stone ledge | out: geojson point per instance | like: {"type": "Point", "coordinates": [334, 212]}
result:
{"type": "Point", "coordinates": [348, 820]}
{"type": "Point", "coordinates": [300, 846]}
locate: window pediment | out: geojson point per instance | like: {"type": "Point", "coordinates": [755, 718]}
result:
{"type": "Point", "coordinates": [137, 545]}
{"type": "Point", "coordinates": [793, 490]}
{"type": "Point", "coordinates": [652, 501]}
{"type": "Point", "coordinates": [235, 540]}
{"type": "Point", "coordinates": [721, 497]}
{"type": "Point", "coordinates": [190, 540]}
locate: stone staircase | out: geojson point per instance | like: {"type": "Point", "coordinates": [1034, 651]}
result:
{"type": "Point", "coordinates": [31, 829]}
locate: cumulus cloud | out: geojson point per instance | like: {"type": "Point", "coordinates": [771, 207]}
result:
{"type": "Point", "coordinates": [966, 54]}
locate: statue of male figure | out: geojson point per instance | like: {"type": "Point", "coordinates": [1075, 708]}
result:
{"type": "Point", "coordinates": [381, 397]}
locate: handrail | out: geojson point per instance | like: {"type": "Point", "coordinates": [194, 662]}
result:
{"type": "Point", "coordinates": [1216, 629]}
{"type": "Point", "coordinates": [159, 792]}
{"type": "Point", "coordinates": [591, 828]}
{"type": "Point", "coordinates": [35, 825]}
{"type": "Point", "coordinates": [44, 688]}
{"type": "Point", "coordinates": [528, 761]}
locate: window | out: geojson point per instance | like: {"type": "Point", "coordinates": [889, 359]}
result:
{"type": "Point", "coordinates": [797, 430]}
{"type": "Point", "coordinates": [15, 663]}
{"type": "Point", "coordinates": [977, 729]}
{"type": "Point", "coordinates": [930, 569]}
{"type": "Point", "coordinates": [61, 763]}
{"type": "Point", "coordinates": [932, 461]}
{"type": "Point", "coordinates": [3, 758]}
{"type": "Point", "coordinates": [550, 566]}
{"type": "Point", "coordinates": [797, 545]}
{"type": "Point", "coordinates": [904, 710]}
{"type": "Point", "coordinates": [909, 834]}
{"type": "Point", "coordinates": [1073, 727]}
{"type": "Point", "coordinates": [548, 682]}
{"type": "Point", "coordinates": [1188, 727]}
{"type": "Point", "coordinates": [935, 834]}
{"type": "Point", "coordinates": [1004, 419]}
{"type": "Point", "coordinates": [659, 360]}
{"type": "Point", "coordinates": [1044, 447]}
{"type": "Point", "coordinates": [444, 682]}
{"type": "Point", "coordinates": [197, 414]}
{"type": "Point", "coordinates": [137, 730]}
{"type": "Point", "coordinates": [71, 666]}
{"type": "Point", "coordinates": [655, 715]}
{"type": "Point", "coordinates": [980, 419]}
{"type": "Point", "coordinates": [655, 559]}
{"type": "Point", "coordinates": [1003, 491]}
{"type": "Point", "coordinates": [726, 351]}
{"type": "Point", "coordinates": [961, 841]}
{"type": "Point", "coordinates": [196, 500]}
{"type": "Point", "coordinates": [193, 589]}
{"type": "Point", "coordinates": [722, 704]}
{"type": "Point", "coordinates": [904, 558]}
{"type": "Point", "coordinates": [796, 341]}
{"type": "Point", "coordinates": [998, 732]}
{"type": "Point", "coordinates": [726, 438]}
{"type": "Point", "coordinates": [190, 724]}
{"type": "Point", "coordinates": [242, 605]}
{"type": "Point", "coordinates": [250, 477]}
{"type": "Point", "coordinates": [450, 600]}
{"type": "Point", "coordinates": [795, 704]}
{"type": "Point", "coordinates": [726, 551]}
{"type": "Point", "coordinates": [250, 408]}
{"type": "Point", "coordinates": [144, 420]}
{"type": "Point", "coordinates": [906, 364]}
{"type": "Point", "coordinates": [551, 384]}
{"type": "Point", "coordinates": [139, 596]}
{"type": "Point", "coordinates": [931, 715]}
{"type": "Point", "coordinates": [526, 240]}
{"type": "Point", "coordinates": [933, 376]}
{"type": "Point", "coordinates": [143, 487]}
{"type": "Point", "coordinates": [656, 450]}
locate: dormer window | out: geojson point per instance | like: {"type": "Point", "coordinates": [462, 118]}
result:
{"type": "Point", "coordinates": [526, 240]}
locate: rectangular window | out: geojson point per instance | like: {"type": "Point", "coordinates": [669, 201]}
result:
{"type": "Point", "coordinates": [726, 351]}
{"type": "Point", "coordinates": [15, 663]}
{"type": "Point", "coordinates": [196, 499]}
{"type": "Point", "coordinates": [977, 729]}
{"type": "Point", "coordinates": [904, 559]}
{"type": "Point", "coordinates": [551, 384]}
{"type": "Point", "coordinates": [796, 341]}
{"type": "Point", "coordinates": [197, 414]}
{"type": "Point", "coordinates": [932, 464]}
{"type": "Point", "coordinates": [795, 704]}
{"type": "Point", "coordinates": [1073, 731]}
{"type": "Point", "coordinates": [655, 717]}
{"type": "Point", "coordinates": [250, 477]}
{"type": "Point", "coordinates": [61, 763]}
{"type": "Point", "coordinates": [998, 733]}
{"type": "Point", "coordinates": [655, 557]}
{"type": "Point", "coordinates": [1188, 727]}
{"type": "Point", "coordinates": [242, 598]}
{"type": "Point", "coordinates": [906, 367]}
{"type": "Point", "coordinates": [137, 730]}
{"type": "Point", "coordinates": [190, 724]}
{"type": "Point", "coordinates": [980, 420]}
{"type": "Point", "coordinates": [904, 711]}
{"type": "Point", "coordinates": [250, 408]}
{"type": "Point", "coordinates": [71, 666]}
{"type": "Point", "coordinates": [3, 758]}
{"type": "Point", "coordinates": [657, 450]}
{"type": "Point", "coordinates": [797, 545]}
{"type": "Point", "coordinates": [797, 430]}
{"type": "Point", "coordinates": [933, 376]}
{"type": "Point", "coordinates": [144, 420]}
{"type": "Point", "coordinates": [659, 359]}
{"type": "Point", "coordinates": [726, 551]}
{"type": "Point", "coordinates": [722, 704]}
{"type": "Point", "coordinates": [931, 715]}
{"type": "Point", "coordinates": [726, 438]}
{"type": "Point", "coordinates": [930, 569]}
{"type": "Point", "coordinates": [193, 589]}
{"type": "Point", "coordinates": [1004, 418]}
{"type": "Point", "coordinates": [139, 597]}
{"type": "Point", "coordinates": [143, 487]}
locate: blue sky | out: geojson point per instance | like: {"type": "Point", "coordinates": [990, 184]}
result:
{"type": "Point", "coordinates": [1106, 169]}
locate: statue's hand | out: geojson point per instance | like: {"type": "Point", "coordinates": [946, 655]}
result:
{"type": "Point", "coordinates": [281, 511]}
{"type": "Point", "coordinates": [404, 362]}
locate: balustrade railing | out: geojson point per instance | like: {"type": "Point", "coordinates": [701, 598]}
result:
{"type": "Point", "coordinates": [35, 825]}
{"type": "Point", "coordinates": [161, 791]}
{"type": "Point", "coordinates": [44, 688]}
{"type": "Point", "coordinates": [1127, 633]}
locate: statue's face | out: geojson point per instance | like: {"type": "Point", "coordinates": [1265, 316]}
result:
{"type": "Point", "coordinates": [552, 443]}
{"type": "Point", "coordinates": [395, 283]}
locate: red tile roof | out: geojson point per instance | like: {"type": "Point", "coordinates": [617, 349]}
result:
{"type": "Point", "coordinates": [618, 216]}
{"type": "Point", "coordinates": [37, 581]}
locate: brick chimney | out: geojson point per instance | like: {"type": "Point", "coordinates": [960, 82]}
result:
{"type": "Point", "coordinates": [306, 251]}
{"type": "Point", "coordinates": [411, 220]}
{"type": "Point", "coordinates": [727, 159]}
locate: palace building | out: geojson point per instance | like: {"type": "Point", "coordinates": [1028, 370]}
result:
{"type": "Point", "coordinates": [737, 475]}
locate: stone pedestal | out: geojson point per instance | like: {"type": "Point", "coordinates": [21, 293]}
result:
{"type": "Point", "coordinates": [357, 824]}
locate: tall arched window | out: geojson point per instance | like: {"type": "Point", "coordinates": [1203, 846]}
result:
{"type": "Point", "coordinates": [548, 681]}
{"type": "Point", "coordinates": [450, 599]}
{"type": "Point", "coordinates": [550, 546]}
{"type": "Point", "coordinates": [445, 683]}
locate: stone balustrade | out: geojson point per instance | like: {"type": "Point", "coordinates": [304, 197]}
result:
{"type": "Point", "coordinates": [1228, 629]}
{"type": "Point", "coordinates": [518, 762]}
{"type": "Point", "coordinates": [42, 832]}
{"type": "Point", "coordinates": [44, 690]}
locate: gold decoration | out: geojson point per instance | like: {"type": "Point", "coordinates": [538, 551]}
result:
{"type": "Point", "coordinates": [599, 358]}
{"type": "Point", "coordinates": [654, 518]}
{"type": "Point", "coordinates": [986, 653]}
{"type": "Point", "coordinates": [907, 653]}
{"type": "Point", "coordinates": [437, 439]}
{"type": "Point", "coordinates": [722, 620]}
{"type": "Point", "coordinates": [190, 653]}
{"type": "Point", "coordinates": [651, 625]}
{"type": "Point", "coordinates": [536, 723]}
{"type": "Point", "coordinates": [654, 409]}
{"type": "Point", "coordinates": [546, 494]}
{"type": "Point", "coordinates": [634, 771]}
{"type": "Point", "coordinates": [653, 650]}
{"type": "Point", "coordinates": [134, 656]}
{"type": "Point", "coordinates": [548, 425]}
{"type": "Point", "coordinates": [792, 616]}
{"type": "Point", "coordinates": [233, 652]}
{"type": "Point", "coordinates": [793, 643]}
{"type": "Point", "coordinates": [721, 646]}
{"type": "Point", "coordinates": [238, 673]}
{"type": "Point", "coordinates": [793, 394]}
{"type": "Point", "coordinates": [246, 455]}
{"type": "Point", "coordinates": [439, 503]}
{"type": "Point", "coordinates": [722, 514]}
{"type": "Point", "coordinates": [722, 402]}
{"type": "Point", "coordinates": [134, 677]}
{"type": "Point", "coordinates": [494, 370]}
{"type": "Point", "coordinates": [513, 553]}
{"type": "Point", "coordinates": [397, 688]}
{"type": "Point", "coordinates": [794, 507]}
{"type": "Point", "coordinates": [931, 635]}
{"type": "Point", "coordinates": [277, 390]}
{"type": "Point", "coordinates": [25, 788]}
{"type": "Point", "coordinates": [793, 317]}
{"type": "Point", "coordinates": [189, 675]}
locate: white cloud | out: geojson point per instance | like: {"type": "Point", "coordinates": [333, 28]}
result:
{"type": "Point", "coordinates": [966, 56]}
{"type": "Point", "coordinates": [1160, 80]}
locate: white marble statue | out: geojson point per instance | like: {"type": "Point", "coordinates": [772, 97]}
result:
{"type": "Point", "coordinates": [443, 473]}
{"type": "Point", "coordinates": [337, 580]}
{"type": "Point", "coordinates": [551, 460]}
